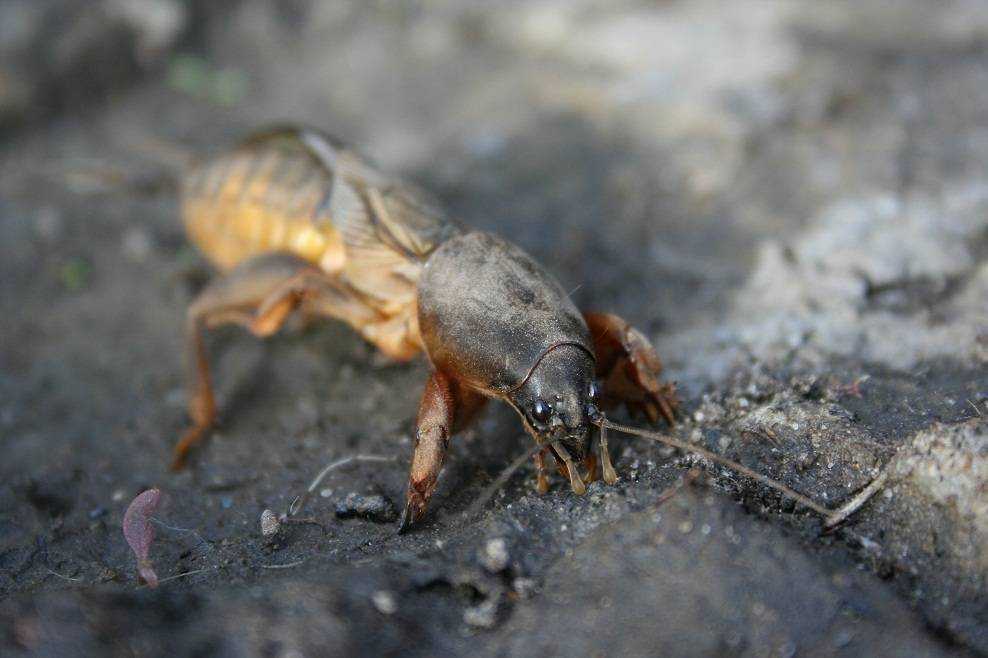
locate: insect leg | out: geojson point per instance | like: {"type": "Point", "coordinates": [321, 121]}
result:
{"type": "Point", "coordinates": [575, 481]}
{"type": "Point", "coordinates": [394, 336]}
{"type": "Point", "coordinates": [445, 408]}
{"type": "Point", "coordinates": [590, 464]}
{"type": "Point", "coordinates": [610, 475]}
{"type": "Point", "coordinates": [542, 482]}
{"type": "Point", "coordinates": [258, 295]}
{"type": "Point", "coordinates": [630, 368]}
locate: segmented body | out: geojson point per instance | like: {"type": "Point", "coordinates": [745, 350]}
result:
{"type": "Point", "coordinates": [295, 190]}
{"type": "Point", "coordinates": [305, 225]}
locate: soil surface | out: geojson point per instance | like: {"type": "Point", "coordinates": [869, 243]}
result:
{"type": "Point", "coordinates": [789, 199]}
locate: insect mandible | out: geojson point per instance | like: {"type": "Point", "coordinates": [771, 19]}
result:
{"type": "Point", "coordinates": [295, 221]}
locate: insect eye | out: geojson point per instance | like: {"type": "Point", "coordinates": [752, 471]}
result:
{"type": "Point", "coordinates": [541, 410]}
{"type": "Point", "coordinates": [592, 391]}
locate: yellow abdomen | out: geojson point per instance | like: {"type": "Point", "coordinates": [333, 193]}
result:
{"type": "Point", "coordinates": [257, 200]}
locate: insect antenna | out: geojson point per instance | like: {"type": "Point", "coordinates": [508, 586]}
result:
{"type": "Point", "coordinates": [603, 423]}
{"type": "Point", "coordinates": [500, 481]}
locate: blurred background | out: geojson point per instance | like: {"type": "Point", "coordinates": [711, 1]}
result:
{"type": "Point", "coordinates": [789, 198]}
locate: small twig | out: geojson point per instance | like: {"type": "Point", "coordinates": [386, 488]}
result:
{"type": "Point", "coordinates": [974, 406]}
{"type": "Point", "coordinates": [189, 531]}
{"type": "Point", "coordinates": [499, 481]}
{"type": "Point", "coordinates": [296, 505]}
{"type": "Point", "coordinates": [187, 573]}
{"type": "Point", "coordinates": [724, 461]}
{"type": "Point", "coordinates": [283, 566]}
{"type": "Point", "coordinates": [62, 576]}
{"type": "Point", "coordinates": [838, 516]}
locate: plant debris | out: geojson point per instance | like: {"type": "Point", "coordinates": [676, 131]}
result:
{"type": "Point", "coordinates": [270, 523]}
{"type": "Point", "coordinates": [139, 532]}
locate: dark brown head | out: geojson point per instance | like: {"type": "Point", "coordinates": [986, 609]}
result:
{"type": "Point", "coordinates": [558, 400]}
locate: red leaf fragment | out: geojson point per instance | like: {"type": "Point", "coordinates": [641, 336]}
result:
{"type": "Point", "coordinates": [139, 532]}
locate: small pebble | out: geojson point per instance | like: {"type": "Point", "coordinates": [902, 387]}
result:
{"type": "Point", "coordinates": [385, 602]}
{"type": "Point", "coordinates": [97, 512]}
{"type": "Point", "coordinates": [495, 555]}
{"type": "Point", "coordinates": [375, 508]}
{"type": "Point", "coordinates": [481, 616]}
{"type": "Point", "coordinates": [270, 524]}
{"type": "Point", "coordinates": [325, 493]}
{"type": "Point", "coordinates": [524, 587]}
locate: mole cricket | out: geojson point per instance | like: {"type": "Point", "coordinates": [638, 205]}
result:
{"type": "Point", "coordinates": [295, 221]}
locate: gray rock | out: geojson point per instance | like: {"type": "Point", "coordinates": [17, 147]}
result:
{"type": "Point", "coordinates": [754, 589]}
{"type": "Point", "coordinates": [375, 508]}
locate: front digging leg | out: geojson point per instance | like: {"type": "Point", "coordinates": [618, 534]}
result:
{"type": "Point", "coordinates": [445, 408]}
{"type": "Point", "coordinates": [630, 368]}
{"type": "Point", "coordinates": [541, 479]}
{"type": "Point", "coordinates": [432, 434]}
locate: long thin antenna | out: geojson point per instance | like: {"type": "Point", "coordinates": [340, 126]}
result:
{"type": "Point", "coordinates": [853, 505]}
{"type": "Point", "coordinates": [723, 461]}
{"type": "Point", "coordinates": [500, 481]}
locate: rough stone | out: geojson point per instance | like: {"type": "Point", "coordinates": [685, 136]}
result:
{"type": "Point", "coordinates": [375, 508]}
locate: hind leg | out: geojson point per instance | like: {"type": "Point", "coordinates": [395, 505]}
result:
{"type": "Point", "coordinates": [259, 295]}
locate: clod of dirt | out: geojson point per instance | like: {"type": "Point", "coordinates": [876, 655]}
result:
{"type": "Point", "coordinates": [375, 508]}
{"type": "Point", "coordinates": [839, 284]}
{"type": "Point", "coordinates": [483, 615]}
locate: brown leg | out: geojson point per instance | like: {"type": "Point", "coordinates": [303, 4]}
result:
{"type": "Point", "coordinates": [542, 481]}
{"type": "Point", "coordinates": [630, 368]}
{"type": "Point", "coordinates": [445, 408]}
{"type": "Point", "coordinates": [590, 463]}
{"type": "Point", "coordinates": [610, 475]}
{"type": "Point", "coordinates": [568, 469]}
{"type": "Point", "coordinates": [260, 294]}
